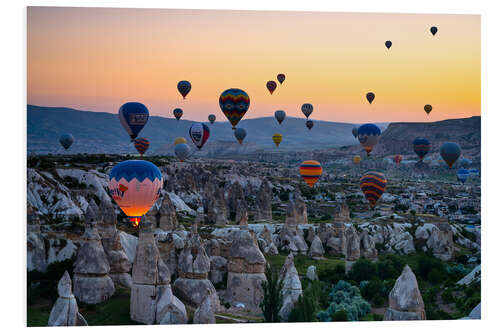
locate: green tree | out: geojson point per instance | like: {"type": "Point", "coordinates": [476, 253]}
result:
{"type": "Point", "coordinates": [273, 298]}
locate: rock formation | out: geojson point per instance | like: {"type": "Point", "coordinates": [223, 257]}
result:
{"type": "Point", "coordinates": [311, 273]}
{"type": "Point", "coordinates": [316, 250]}
{"type": "Point", "coordinates": [342, 213]}
{"type": "Point", "coordinates": [167, 216]}
{"type": "Point", "coordinates": [65, 310]}
{"type": "Point", "coordinates": [234, 194]}
{"type": "Point", "coordinates": [441, 241]}
{"type": "Point", "coordinates": [405, 300]}
{"type": "Point", "coordinates": [241, 214]}
{"type": "Point", "coordinates": [292, 240]}
{"type": "Point", "coordinates": [311, 235]}
{"type": "Point", "coordinates": [367, 246]}
{"type": "Point", "coordinates": [215, 206]}
{"type": "Point", "coordinates": [292, 288]}
{"type": "Point", "coordinates": [35, 245]}
{"type": "Point", "coordinates": [204, 314]}
{"type": "Point", "coordinates": [169, 244]}
{"type": "Point", "coordinates": [336, 243]}
{"type": "Point", "coordinates": [264, 198]}
{"type": "Point", "coordinates": [296, 210]}
{"type": "Point", "coordinates": [352, 247]}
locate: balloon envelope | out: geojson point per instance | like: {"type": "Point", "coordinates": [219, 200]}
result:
{"type": "Point", "coordinates": [421, 147]}
{"type": "Point", "coordinates": [356, 159]}
{"type": "Point", "coordinates": [428, 108]}
{"type": "Point", "coordinates": [307, 109]}
{"type": "Point", "coordinates": [211, 118]}
{"type": "Point", "coordinates": [388, 44]}
{"type": "Point", "coordinates": [355, 132]}
{"type": "Point", "coordinates": [310, 171]}
{"type": "Point", "coordinates": [133, 117]}
{"type": "Point", "coordinates": [280, 115]}
{"type": "Point", "coordinates": [462, 175]}
{"type": "Point", "coordinates": [281, 78]}
{"type": "Point", "coordinates": [177, 113]}
{"type": "Point", "coordinates": [434, 30]}
{"type": "Point", "coordinates": [141, 144]}
{"type": "Point", "coordinates": [309, 124]}
{"type": "Point", "coordinates": [373, 186]}
{"type": "Point", "coordinates": [398, 159]}
{"type": "Point", "coordinates": [66, 140]}
{"type": "Point", "coordinates": [277, 138]}
{"type": "Point", "coordinates": [184, 88]}
{"type": "Point", "coordinates": [234, 103]}
{"type": "Point", "coordinates": [199, 133]}
{"type": "Point", "coordinates": [271, 86]}
{"type": "Point", "coordinates": [182, 151]}
{"type": "Point", "coordinates": [450, 152]}
{"type": "Point", "coordinates": [370, 97]}
{"type": "Point", "coordinates": [240, 134]}
{"type": "Point", "coordinates": [368, 136]}
{"type": "Point", "coordinates": [180, 140]}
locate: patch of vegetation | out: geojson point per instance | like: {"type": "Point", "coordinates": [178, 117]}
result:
{"type": "Point", "coordinates": [273, 297]}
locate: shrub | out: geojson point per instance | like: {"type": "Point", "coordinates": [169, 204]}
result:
{"type": "Point", "coordinates": [305, 308]}
{"type": "Point", "coordinates": [273, 298]}
{"type": "Point", "coordinates": [332, 275]}
{"type": "Point", "coordinates": [363, 270]}
{"type": "Point", "coordinates": [347, 298]}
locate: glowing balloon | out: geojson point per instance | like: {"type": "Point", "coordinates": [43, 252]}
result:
{"type": "Point", "coordinates": [234, 103]}
{"type": "Point", "coordinates": [434, 30]}
{"type": "Point", "coordinates": [398, 159]}
{"type": "Point", "coordinates": [373, 186]}
{"type": "Point", "coordinates": [281, 78]}
{"type": "Point", "coordinates": [133, 117]}
{"type": "Point", "coordinates": [370, 97]}
{"type": "Point", "coordinates": [310, 172]}
{"type": "Point", "coordinates": [179, 140]}
{"type": "Point", "coordinates": [309, 124]}
{"type": "Point", "coordinates": [356, 159]}
{"type": "Point", "coordinates": [211, 118]}
{"type": "Point", "coordinates": [182, 151]}
{"type": "Point", "coordinates": [368, 136]}
{"type": "Point", "coordinates": [277, 138]}
{"type": "Point", "coordinates": [240, 134]}
{"type": "Point", "coordinates": [428, 108]}
{"type": "Point", "coordinates": [184, 88]}
{"type": "Point", "coordinates": [307, 109]}
{"type": "Point", "coordinates": [355, 132]}
{"type": "Point", "coordinates": [199, 133]}
{"type": "Point", "coordinates": [177, 113]}
{"type": "Point", "coordinates": [66, 140]}
{"type": "Point", "coordinates": [280, 115]}
{"type": "Point", "coordinates": [421, 147]}
{"type": "Point", "coordinates": [388, 44]}
{"type": "Point", "coordinates": [271, 86]}
{"type": "Point", "coordinates": [450, 152]}
{"type": "Point", "coordinates": [135, 186]}
{"type": "Point", "coordinates": [141, 144]}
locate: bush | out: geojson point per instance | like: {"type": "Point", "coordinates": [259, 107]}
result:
{"type": "Point", "coordinates": [305, 308]}
{"type": "Point", "coordinates": [347, 298]}
{"type": "Point", "coordinates": [363, 270]}
{"type": "Point", "coordinates": [332, 275]}
{"type": "Point", "coordinates": [273, 298]}
{"type": "Point", "coordinates": [43, 285]}
{"type": "Point", "coordinates": [339, 316]}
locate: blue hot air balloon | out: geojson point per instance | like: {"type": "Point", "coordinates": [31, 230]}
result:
{"type": "Point", "coordinates": [177, 113]}
{"type": "Point", "coordinates": [462, 175]}
{"type": "Point", "coordinates": [421, 147]}
{"type": "Point", "coordinates": [368, 136]}
{"type": "Point", "coordinates": [66, 140]}
{"type": "Point", "coordinates": [450, 152]}
{"type": "Point", "coordinates": [133, 117]}
{"type": "Point", "coordinates": [388, 44]}
{"type": "Point", "coordinates": [355, 132]}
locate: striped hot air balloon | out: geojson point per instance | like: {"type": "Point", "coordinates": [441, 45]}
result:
{"type": "Point", "coordinates": [373, 186]}
{"type": "Point", "coordinates": [310, 172]}
{"type": "Point", "coordinates": [234, 103]}
{"type": "Point", "coordinates": [141, 144]}
{"type": "Point", "coordinates": [277, 138]}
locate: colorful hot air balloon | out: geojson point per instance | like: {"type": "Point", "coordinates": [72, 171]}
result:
{"type": "Point", "coordinates": [280, 115]}
{"type": "Point", "coordinates": [356, 159]}
{"type": "Point", "coordinates": [388, 44]}
{"type": "Point", "coordinates": [355, 132]}
{"type": "Point", "coordinates": [177, 113]}
{"type": "Point", "coordinates": [182, 151]}
{"type": "Point", "coordinates": [373, 186]}
{"type": "Point", "coordinates": [277, 138]}
{"type": "Point", "coordinates": [184, 88]}
{"type": "Point", "coordinates": [234, 103]}
{"type": "Point", "coordinates": [271, 86]}
{"type": "Point", "coordinates": [398, 159]}
{"type": "Point", "coordinates": [240, 134]}
{"type": "Point", "coordinates": [179, 140]}
{"type": "Point", "coordinates": [199, 133]}
{"type": "Point", "coordinates": [370, 97]}
{"type": "Point", "coordinates": [428, 108]}
{"type": "Point", "coordinates": [133, 117]}
{"type": "Point", "coordinates": [462, 175]}
{"type": "Point", "coordinates": [310, 172]}
{"type": "Point", "coordinates": [141, 144]}
{"type": "Point", "coordinates": [211, 118]}
{"type": "Point", "coordinates": [434, 30]}
{"type": "Point", "coordinates": [309, 124]}
{"type": "Point", "coordinates": [421, 147]}
{"type": "Point", "coordinates": [66, 140]}
{"type": "Point", "coordinates": [307, 109]}
{"type": "Point", "coordinates": [450, 152]}
{"type": "Point", "coordinates": [281, 78]}
{"type": "Point", "coordinates": [135, 186]}
{"type": "Point", "coordinates": [368, 136]}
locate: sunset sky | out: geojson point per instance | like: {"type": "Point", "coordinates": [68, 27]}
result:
{"type": "Point", "coordinates": [97, 59]}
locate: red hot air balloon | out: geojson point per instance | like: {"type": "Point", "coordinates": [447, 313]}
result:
{"type": "Point", "coordinates": [398, 159]}
{"type": "Point", "coordinates": [370, 97]}
{"type": "Point", "coordinates": [271, 86]}
{"type": "Point", "coordinates": [281, 78]}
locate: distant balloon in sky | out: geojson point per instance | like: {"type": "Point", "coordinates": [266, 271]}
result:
{"type": "Point", "coordinates": [428, 108]}
{"type": "Point", "coordinates": [135, 186]}
{"type": "Point", "coordinates": [177, 113]}
{"type": "Point", "coordinates": [211, 118]}
{"type": "Point", "coordinates": [310, 172]}
{"type": "Point", "coordinates": [307, 109]}
{"type": "Point", "coordinates": [398, 159]}
{"type": "Point", "coordinates": [450, 152]}
{"type": "Point", "coordinates": [271, 86]}
{"type": "Point", "coordinates": [179, 139]}
{"type": "Point", "coordinates": [277, 138]}
{"type": "Point", "coordinates": [355, 132]}
{"type": "Point", "coordinates": [373, 186]}
{"type": "Point", "coordinates": [133, 117]}
{"type": "Point", "coordinates": [141, 144]}
{"type": "Point", "coordinates": [421, 147]}
{"type": "Point", "coordinates": [388, 44]}
{"type": "Point", "coordinates": [281, 78]}
{"type": "Point", "coordinates": [434, 30]}
{"type": "Point", "coordinates": [356, 159]}
{"type": "Point", "coordinates": [182, 151]}
{"type": "Point", "coordinates": [370, 97]}
{"type": "Point", "coordinates": [462, 175]}
{"type": "Point", "coordinates": [66, 140]}
{"type": "Point", "coordinates": [184, 88]}
{"type": "Point", "coordinates": [309, 124]}
{"type": "Point", "coordinates": [234, 103]}
{"type": "Point", "coordinates": [280, 115]}
{"type": "Point", "coordinates": [199, 133]}
{"type": "Point", "coordinates": [368, 136]}
{"type": "Point", "coordinates": [240, 134]}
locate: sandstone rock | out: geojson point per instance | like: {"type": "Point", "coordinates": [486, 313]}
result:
{"type": "Point", "coordinates": [292, 288]}
{"type": "Point", "coordinates": [316, 250]}
{"type": "Point", "coordinates": [311, 273]}
{"type": "Point", "coordinates": [167, 216]}
{"type": "Point", "coordinates": [129, 244]}
{"type": "Point", "coordinates": [35, 244]}
{"type": "Point", "coordinates": [204, 314]}
{"type": "Point", "coordinates": [264, 198]}
{"type": "Point", "coordinates": [215, 206]}
{"type": "Point", "coordinates": [291, 240]}
{"type": "Point", "coordinates": [65, 310]}
{"type": "Point", "coordinates": [405, 300]}
{"type": "Point", "coordinates": [296, 211]}
{"type": "Point", "coordinates": [311, 235]}
{"type": "Point", "coordinates": [367, 246]}
{"type": "Point", "coordinates": [218, 269]}
{"type": "Point", "coordinates": [241, 213]}
{"type": "Point", "coordinates": [234, 194]}
{"type": "Point", "coordinates": [353, 251]}
{"type": "Point", "coordinates": [441, 241]}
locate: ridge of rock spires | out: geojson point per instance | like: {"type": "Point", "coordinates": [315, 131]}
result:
{"type": "Point", "coordinates": [65, 310]}
{"type": "Point", "coordinates": [266, 243]}
{"type": "Point", "coordinates": [35, 253]}
{"type": "Point", "coordinates": [316, 250]}
{"type": "Point", "coordinates": [241, 214]}
{"type": "Point", "coordinates": [335, 239]}
{"type": "Point", "coordinates": [214, 204]}
{"type": "Point", "coordinates": [234, 194]}
{"type": "Point", "coordinates": [291, 239]}
{"type": "Point", "coordinates": [263, 202]}
{"type": "Point", "coordinates": [292, 288]}
{"type": "Point", "coordinates": [91, 282]}
{"type": "Point", "coordinates": [151, 298]}
{"type": "Point", "coordinates": [353, 252]}
{"type": "Point", "coordinates": [405, 300]}
{"type": "Point", "coordinates": [296, 210]}
{"type": "Point", "coordinates": [246, 267]}
{"type": "Point", "coordinates": [367, 246]}
{"type": "Point", "coordinates": [204, 314]}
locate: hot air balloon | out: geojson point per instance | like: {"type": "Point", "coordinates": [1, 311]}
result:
{"type": "Point", "coordinates": [355, 132]}
{"type": "Point", "coordinates": [356, 159]}
{"type": "Point", "coordinates": [370, 97]}
{"type": "Point", "coordinates": [281, 78]}
{"type": "Point", "coordinates": [211, 118]}
{"type": "Point", "coordinates": [428, 108]}
{"type": "Point", "coordinates": [398, 159]}
{"type": "Point", "coordinates": [462, 175]}
{"type": "Point", "coordinates": [465, 162]}
{"type": "Point", "coordinates": [234, 103]}
{"type": "Point", "coordinates": [179, 139]}
{"type": "Point", "coordinates": [66, 140]}
{"type": "Point", "coordinates": [421, 147]}
{"type": "Point", "coordinates": [141, 144]}
{"type": "Point", "coordinates": [434, 30]}
{"type": "Point", "coordinates": [388, 44]}
{"type": "Point", "coordinates": [133, 117]}
{"type": "Point", "coordinates": [184, 88]}
{"type": "Point", "coordinates": [199, 133]}
{"type": "Point", "coordinates": [182, 151]}
{"type": "Point", "coordinates": [310, 172]}
{"type": "Point", "coordinates": [271, 86]}
{"type": "Point", "coordinates": [280, 115]}
{"type": "Point", "coordinates": [240, 134]}
{"type": "Point", "coordinates": [309, 124]}
{"type": "Point", "coordinates": [450, 152]}
{"type": "Point", "coordinates": [177, 113]}
{"type": "Point", "coordinates": [474, 172]}
{"type": "Point", "coordinates": [373, 186]}
{"type": "Point", "coordinates": [307, 109]}
{"type": "Point", "coordinates": [135, 186]}
{"type": "Point", "coordinates": [277, 138]}
{"type": "Point", "coordinates": [368, 136]}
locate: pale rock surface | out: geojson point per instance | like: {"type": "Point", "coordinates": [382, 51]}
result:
{"type": "Point", "coordinates": [316, 250]}
{"type": "Point", "coordinates": [292, 288]}
{"type": "Point", "coordinates": [204, 314]}
{"type": "Point", "coordinates": [311, 273]}
{"type": "Point", "coordinates": [367, 246]}
{"type": "Point", "coordinates": [65, 309]}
